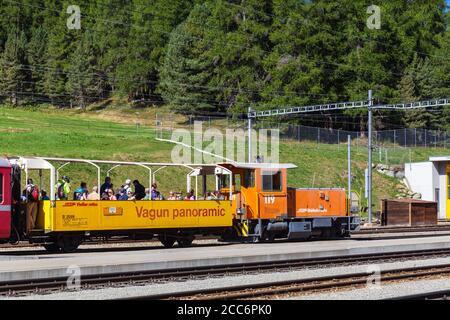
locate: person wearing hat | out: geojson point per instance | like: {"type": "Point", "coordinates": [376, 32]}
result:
{"type": "Point", "coordinates": [127, 185]}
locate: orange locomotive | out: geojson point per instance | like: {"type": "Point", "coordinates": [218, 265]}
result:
{"type": "Point", "coordinates": [267, 209]}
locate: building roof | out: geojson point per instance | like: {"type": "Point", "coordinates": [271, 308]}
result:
{"type": "Point", "coordinates": [440, 159]}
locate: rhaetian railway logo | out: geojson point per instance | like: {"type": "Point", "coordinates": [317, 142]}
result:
{"type": "Point", "coordinates": [213, 145]}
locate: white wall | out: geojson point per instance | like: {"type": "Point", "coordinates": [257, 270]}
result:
{"type": "Point", "coordinates": [420, 178]}
{"type": "Point", "coordinates": [425, 178]}
{"type": "Point", "coordinates": [442, 168]}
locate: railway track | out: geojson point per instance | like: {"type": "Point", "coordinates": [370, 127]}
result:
{"type": "Point", "coordinates": [433, 295]}
{"type": "Point", "coordinates": [44, 286]}
{"type": "Point", "coordinates": [382, 230]}
{"type": "Point", "coordinates": [364, 231]}
{"type": "Point", "coordinates": [286, 289]}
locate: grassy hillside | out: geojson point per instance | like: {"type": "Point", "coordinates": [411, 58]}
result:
{"type": "Point", "coordinates": [89, 135]}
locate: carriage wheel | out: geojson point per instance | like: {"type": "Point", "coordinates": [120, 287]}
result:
{"type": "Point", "coordinates": [167, 242]}
{"type": "Point", "coordinates": [52, 247]}
{"type": "Point", "coordinates": [68, 243]}
{"type": "Point", "coordinates": [185, 242]}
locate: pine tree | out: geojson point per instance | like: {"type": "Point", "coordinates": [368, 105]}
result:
{"type": "Point", "coordinates": [295, 74]}
{"type": "Point", "coordinates": [81, 73]}
{"type": "Point", "coordinates": [36, 50]}
{"type": "Point", "coordinates": [151, 25]}
{"type": "Point", "coordinates": [238, 33]}
{"type": "Point", "coordinates": [417, 84]}
{"type": "Point", "coordinates": [112, 26]}
{"type": "Point", "coordinates": [186, 70]}
{"type": "Point", "coordinates": [12, 72]}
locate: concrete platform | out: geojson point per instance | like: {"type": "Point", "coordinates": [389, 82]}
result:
{"type": "Point", "coordinates": [43, 266]}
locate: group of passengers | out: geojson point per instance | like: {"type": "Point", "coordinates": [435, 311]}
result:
{"type": "Point", "coordinates": [125, 192]}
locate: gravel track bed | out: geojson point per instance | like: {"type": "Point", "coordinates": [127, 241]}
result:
{"type": "Point", "coordinates": [218, 282]}
{"type": "Point", "coordinates": [389, 290]}
{"type": "Point", "coordinates": [137, 244]}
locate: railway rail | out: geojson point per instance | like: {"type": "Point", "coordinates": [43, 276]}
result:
{"type": "Point", "coordinates": [432, 295]}
{"type": "Point", "coordinates": [401, 229]}
{"type": "Point", "coordinates": [363, 231]}
{"type": "Point", "coordinates": [44, 286]}
{"type": "Point", "coordinates": [287, 289]}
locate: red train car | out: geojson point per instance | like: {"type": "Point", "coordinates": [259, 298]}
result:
{"type": "Point", "coordinates": [5, 199]}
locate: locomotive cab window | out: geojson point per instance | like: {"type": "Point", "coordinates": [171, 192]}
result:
{"type": "Point", "coordinates": [1, 187]}
{"type": "Point", "coordinates": [249, 178]}
{"type": "Point", "coordinates": [224, 181]}
{"type": "Point", "coordinates": [271, 181]}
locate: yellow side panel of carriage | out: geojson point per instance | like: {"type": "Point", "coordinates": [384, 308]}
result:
{"type": "Point", "coordinates": [128, 215]}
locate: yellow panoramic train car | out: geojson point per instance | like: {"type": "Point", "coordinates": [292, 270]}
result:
{"type": "Point", "coordinates": [72, 216]}
{"type": "Point", "coordinates": [62, 225]}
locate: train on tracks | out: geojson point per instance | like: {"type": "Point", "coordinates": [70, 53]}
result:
{"type": "Point", "coordinates": [256, 205]}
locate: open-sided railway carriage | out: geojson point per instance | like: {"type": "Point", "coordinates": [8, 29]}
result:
{"type": "Point", "coordinates": [257, 205]}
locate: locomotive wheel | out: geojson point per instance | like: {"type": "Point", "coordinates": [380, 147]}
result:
{"type": "Point", "coordinates": [167, 242]}
{"type": "Point", "coordinates": [52, 247]}
{"type": "Point", "coordinates": [68, 244]}
{"type": "Point", "coordinates": [185, 242]}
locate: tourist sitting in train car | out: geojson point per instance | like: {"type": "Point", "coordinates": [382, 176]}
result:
{"type": "Point", "coordinates": [190, 195]}
{"type": "Point", "coordinates": [63, 188]}
{"type": "Point", "coordinates": [44, 195]}
{"type": "Point", "coordinates": [155, 193]}
{"type": "Point", "coordinates": [172, 196]}
{"type": "Point", "coordinates": [218, 196]}
{"type": "Point", "coordinates": [122, 194]}
{"type": "Point", "coordinates": [81, 192]}
{"type": "Point", "coordinates": [147, 194]}
{"type": "Point", "coordinates": [106, 185]}
{"type": "Point", "coordinates": [131, 195]}
{"type": "Point", "coordinates": [94, 194]}
{"type": "Point", "coordinates": [139, 190]}
{"type": "Point", "coordinates": [110, 194]}
{"type": "Point", "coordinates": [127, 185]}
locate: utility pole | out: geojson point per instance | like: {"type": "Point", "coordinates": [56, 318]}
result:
{"type": "Point", "coordinates": [249, 135]}
{"type": "Point", "coordinates": [369, 164]}
{"type": "Point", "coordinates": [349, 169]}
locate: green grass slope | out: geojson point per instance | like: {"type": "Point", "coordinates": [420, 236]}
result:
{"type": "Point", "coordinates": [54, 133]}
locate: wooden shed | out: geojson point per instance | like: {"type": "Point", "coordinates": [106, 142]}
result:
{"type": "Point", "coordinates": [408, 212]}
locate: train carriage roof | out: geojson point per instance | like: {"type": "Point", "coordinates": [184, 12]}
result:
{"type": "Point", "coordinates": [4, 163]}
{"type": "Point", "coordinates": [31, 162]}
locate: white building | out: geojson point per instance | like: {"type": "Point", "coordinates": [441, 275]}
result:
{"type": "Point", "coordinates": [432, 180]}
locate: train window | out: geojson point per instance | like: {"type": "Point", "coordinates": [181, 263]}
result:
{"type": "Point", "coordinates": [249, 178]}
{"type": "Point", "coordinates": [224, 181]}
{"type": "Point", "coordinates": [271, 181]}
{"type": "Point", "coordinates": [1, 188]}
